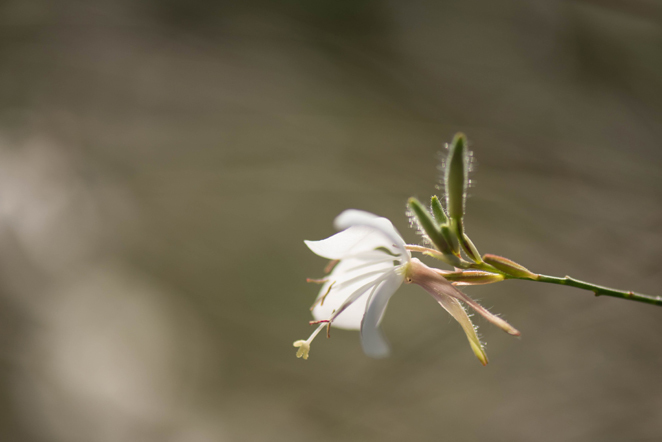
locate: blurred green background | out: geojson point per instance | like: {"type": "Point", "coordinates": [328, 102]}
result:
{"type": "Point", "coordinates": [161, 163]}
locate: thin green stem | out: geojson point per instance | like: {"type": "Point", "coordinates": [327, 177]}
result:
{"type": "Point", "coordinates": [599, 290]}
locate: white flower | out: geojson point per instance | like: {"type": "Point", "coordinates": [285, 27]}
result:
{"type": "Point", "coordinates": [372, 262]}
{"type": "Point", "coordinates": [372, 265]}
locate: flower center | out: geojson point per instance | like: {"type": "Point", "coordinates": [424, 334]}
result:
{"type": "Point", "coordinates": [406, 271]}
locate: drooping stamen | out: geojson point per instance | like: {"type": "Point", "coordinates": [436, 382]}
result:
{"type": "Point", "coordinates": [321, 299]}
{"type": "Point", "coordinates": [324, 321]}
{"type": "Point", "coordinates": [304, 346]}
{"type": "Point", "coordinates": [317, 281]}
{"type": "Point", "coordinates": [331, 265]}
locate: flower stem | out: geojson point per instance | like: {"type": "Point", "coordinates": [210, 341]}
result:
{"type": "Point", "coordinates": [598, 289]}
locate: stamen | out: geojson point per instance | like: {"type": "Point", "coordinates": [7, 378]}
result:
{"type": "Point", "coordinates": [331, 265]}
{"type": "Point", "coordinates": [304, 346]}
{"type": "Point", "coordinates": [328, 325]}
{"type": "Point", "coordinates": [321, 299]}
{"type": "Point", "coordinates": [317, 281]}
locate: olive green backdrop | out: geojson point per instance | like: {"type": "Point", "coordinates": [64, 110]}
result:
{"type": "Point", "coordinates": [161, 163]}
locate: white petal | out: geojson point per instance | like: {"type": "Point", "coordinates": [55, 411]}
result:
{"type": "Point", "coordinates": [372, 339]}
{"type": "Point", "coordinates": [369, 287]}
{"type": "Point", "coordinates": [370, 259]}
{"type": "Point", "coordinates": [354, 217]}
{"type": "Point", "coordinates": [351, 241]}
{"type": "Point", "coordinates": [346, 284]}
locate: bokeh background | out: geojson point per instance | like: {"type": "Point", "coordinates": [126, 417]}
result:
{"type": "Point", "coordinates": [161, 163]}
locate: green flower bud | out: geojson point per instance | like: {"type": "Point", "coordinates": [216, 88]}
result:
{"type": "Point", "coordinates": [457, 231]}
{"type": "Point", "coordinates": [428, 224]}
{"type": "Point", "coordinates": [438, 211]}
{"type": "Point", "coordinates": [469, 248]}
{"type": "Point", "coordinates": [451, 239]}
{"type": "Point", "coordinates": [456, 176]}
{"type": "Point", "coordinates": [509, 267]}
{"type": "Point", "coordinates": [471, 277]}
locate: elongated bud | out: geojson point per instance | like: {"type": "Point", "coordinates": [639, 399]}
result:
{"type": "Point", "coordinates": [470, 249]}
{"type": "Point", "coordinates": [442, 220]}
{"type": "Point", "coordinates": [471, 277]}
{"type": "Point", "coordinates": [457, 231]}
{"type": "Point", "coordinates": [438, 211]}
{"type": "Point", "coordinates": [429, 225]}
{"type": "Point", "coordinates": [457, 176]}
{"type": "Point", "coordinates": [451, 239]}
{"type": "Point", "coordinates": [509, 267]}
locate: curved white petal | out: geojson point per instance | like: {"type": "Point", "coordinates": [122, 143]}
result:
{"type": "Point", "coordinates": [353, 217]}
{"type": "Point", "coordinates": [372, 339]}
{"type": "Point", "coordinates": [351, 241]}
{"type": "Point", "coordinates": [363, 267]}
{"type": "Point", "coordinates": [345, 284]}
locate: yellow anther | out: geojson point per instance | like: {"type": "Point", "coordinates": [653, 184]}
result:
{"type": "Point", "coordinates": [321, 299]}
{"type": "Point", "coordinates": [304, 348]}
